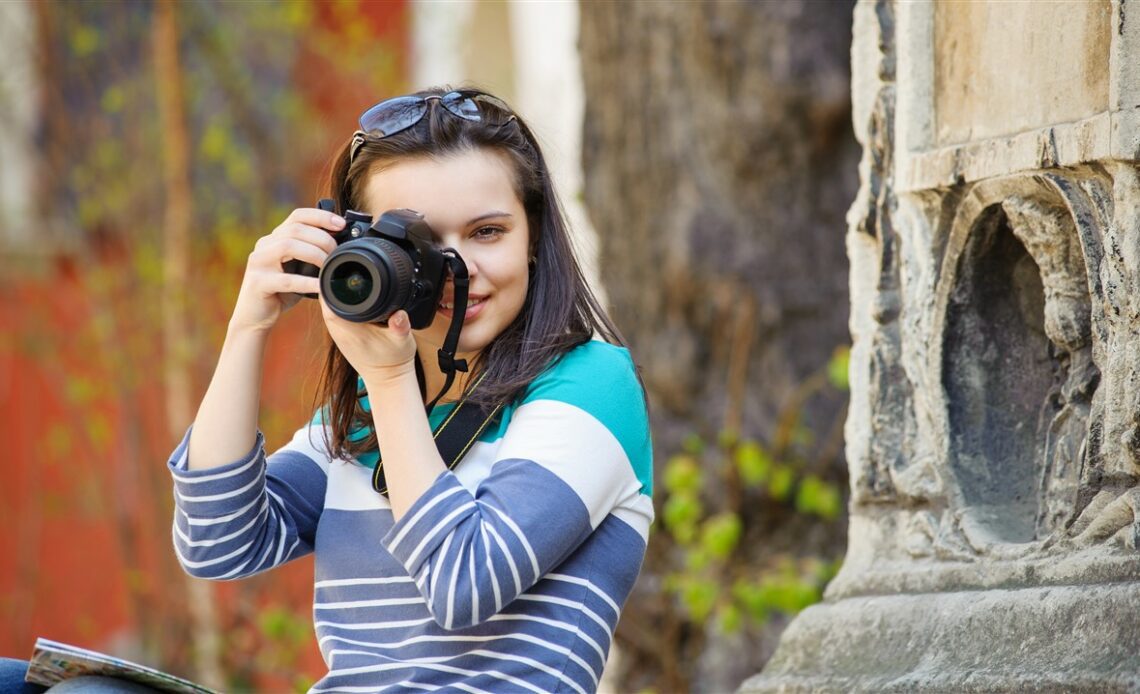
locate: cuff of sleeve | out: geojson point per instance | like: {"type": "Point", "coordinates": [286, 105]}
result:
{"type": "Point", "coordinates": [429, 521]}
{"type": "Point", "coordinates": [217, 489]}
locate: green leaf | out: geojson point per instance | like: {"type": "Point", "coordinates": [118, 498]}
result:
{"type": "Point", "coordinates": [819, 498]}
{"type": "Point", "coordinates": [751, 596]}
{"type": "Point", "coordinates": [681, 513]}
{"type": "Point", "coordinates": [753, 463]}
{"type": "Point", "coordinates": [729, 618]}
{"type": "Point", "coordinates": [727, 438]}
{"type": "Point", "coordinates": [683, 474]}
{"type": "Point", "coordinates": [839, 367]}
{"type": "Point", "coordinates": [720, 534]}
{"type": "Point", "coordinates": [780, 484]}
{"type": "Point", "coordinates": [699, 598]}
{"type": "Point", "coordinates": [697, 559]}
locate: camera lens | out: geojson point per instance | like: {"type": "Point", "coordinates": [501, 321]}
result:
{"type": "Point", "coordinates": [351, 283]}
{"type": "Point", "coordinates": [367, 279]}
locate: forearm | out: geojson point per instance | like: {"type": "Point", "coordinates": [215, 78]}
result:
{"type": "Point", "coordinates": [226, 425]}
{"type": "Point", "coordinates": [411, 460]}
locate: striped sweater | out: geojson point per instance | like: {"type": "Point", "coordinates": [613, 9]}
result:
{"type": "Point", "coordinates": [507, 575]}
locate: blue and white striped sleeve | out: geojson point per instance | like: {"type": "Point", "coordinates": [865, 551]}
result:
{"type": "Point", "coordinates": [250, 515]}
{"type": "Point", "coordinates": [576, 450]}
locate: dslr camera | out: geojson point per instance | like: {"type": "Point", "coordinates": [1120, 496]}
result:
{"type": "Point", "coordinates": [381, 267]}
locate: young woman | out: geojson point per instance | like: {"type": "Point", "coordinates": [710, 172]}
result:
{"type": "Point", "coordinates": [508, 572]}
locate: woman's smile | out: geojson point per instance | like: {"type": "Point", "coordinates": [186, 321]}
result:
{"type": "Point", "coordinates": [474, 306]}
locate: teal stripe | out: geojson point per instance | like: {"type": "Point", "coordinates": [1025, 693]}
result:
{"type": "Point", "coordinates": [601, 379]}
{"type": "Point", "coordinates": [596, 377]}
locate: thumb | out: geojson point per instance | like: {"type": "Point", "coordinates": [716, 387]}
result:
{"type": "Point", "coordinates": [399, 323]}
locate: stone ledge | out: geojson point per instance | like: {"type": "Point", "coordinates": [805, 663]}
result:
{"type": "Point", "coordinates": [1071, 639]}
{"type": "Point", "coordinates": [1105, 136]}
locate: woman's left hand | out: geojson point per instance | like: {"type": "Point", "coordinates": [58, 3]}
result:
{"type": "Point", "coordinates": [377, 353]}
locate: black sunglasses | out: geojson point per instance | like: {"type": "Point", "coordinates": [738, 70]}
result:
{"type": "Point", "coordinates": [402, 112]}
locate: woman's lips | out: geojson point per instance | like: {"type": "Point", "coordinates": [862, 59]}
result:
{"type": "Point", "coordinates": [474, 307]}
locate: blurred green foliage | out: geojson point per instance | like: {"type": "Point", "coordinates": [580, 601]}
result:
{"type": "Point", "coordinates": [712, 491]}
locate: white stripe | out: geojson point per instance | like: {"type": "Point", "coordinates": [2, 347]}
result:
{"type": "Point", "coordinates": [567, 603]}
{"type": "Point", "coordinates": [439, 560]}
{"type": "Point", "coordinates": [410, 523]}
{"type": "Point", "coordinates": [211, 562]}
{"type": "Point", "coordinates": [349, 488]}
{"type": "Point", "coordinates": [437, 529]}
{"type": "Point", "coordinates": [474, 585]}
{"type": "Point", "coordinates": [574, 629]}
{"type": "Point", "coordinates": [491, 568]}
{"type": "Point", "coordinates": [593, 588]}
{"type": "Point", "coordinates": [451, 592]}
{"type": "Point", "coordinates": [571, 443]}
{"type": "Point", "coordinates": [435, 662]}
{"type": "Point", "coordinates": [198, 479]}
{"type": "Point", "coordinates": [357, 626]}
{"type": "Point", "coordinates": [519, 534]}
{"type": "Point", "coordinates": [336, 582]}
{"type": "Point", "coordinates": [224, 495]}
{"type": "Point", "coordinates": [348, 604]}
{"type": "Point", "coordinates": [283, 532]}
{"type": "Point", "coordinates": [428, 638]}
{"type": "Point", "coordinates": [429, 666]}
{"type": "Point", "coordinates": [225, 538]}
{"type": "Point", "coordinates": [506, 553]}
{"type": "Point", "coordinates": [261, 565]}
{"type": "Point", "coordinates": [234, 572]}
{"type": "Point", "coordinates": [292, 547]}
{"type": "Point", "coordinates": [218, 520]}
{"type": "Point", "coordinates": [637, 513]}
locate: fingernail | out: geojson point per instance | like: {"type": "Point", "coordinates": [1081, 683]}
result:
{"type": "Point", "coordinates": [337, 220]}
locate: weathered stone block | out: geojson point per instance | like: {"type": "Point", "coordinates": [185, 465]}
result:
{"type": "Point", "coordinates": [994, 429]}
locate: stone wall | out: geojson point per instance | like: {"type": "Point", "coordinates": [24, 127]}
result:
{"type": "Point", "coordinates": [994, 431]}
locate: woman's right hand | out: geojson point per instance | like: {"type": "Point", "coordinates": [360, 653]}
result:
{"type": "Point", "coordinates": [266, 289]}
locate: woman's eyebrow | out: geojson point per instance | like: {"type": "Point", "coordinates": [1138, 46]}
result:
{"type": "Point", "coordinates": [487, 215]}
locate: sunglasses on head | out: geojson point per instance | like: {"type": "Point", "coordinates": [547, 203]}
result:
{"type": "Point", "coordinates": [402, 112]}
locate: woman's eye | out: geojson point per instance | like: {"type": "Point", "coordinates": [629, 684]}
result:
{"type": "Point", "coordinates": [487, 232]}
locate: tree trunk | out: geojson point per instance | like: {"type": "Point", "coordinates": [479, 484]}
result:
{"type": "Point", "coordinates": [177, 216]}
{"type": "Point", "coordinates": [719, 163]}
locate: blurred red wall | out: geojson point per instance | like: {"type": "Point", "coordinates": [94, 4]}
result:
{"type": "Point", "coordinates": [86, 498]}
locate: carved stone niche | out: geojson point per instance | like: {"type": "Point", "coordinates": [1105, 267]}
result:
{"type": "Point", "coordinates": [1015, 569]}
{"type": "Point", "coordinates": [1016, 363]}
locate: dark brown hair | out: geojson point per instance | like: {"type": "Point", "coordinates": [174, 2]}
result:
{"type": "Point", "coordinates": [559, 312]}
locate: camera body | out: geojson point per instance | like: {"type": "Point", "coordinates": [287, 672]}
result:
{"type": "Point", "coordinates": [380, 267]}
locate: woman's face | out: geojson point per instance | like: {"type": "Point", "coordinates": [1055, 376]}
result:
{"type": "Point", "coordinates": [470, 203]}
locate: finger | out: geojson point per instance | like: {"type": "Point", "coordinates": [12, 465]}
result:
{"type": "Point", "coordinates": [322, 238]}
{"type": "Point", "coordinates": [271, 255]}
{"type": "Point", "coordinates": [316, 218]}
{"type": "Point", "coordinates": [284, 283]}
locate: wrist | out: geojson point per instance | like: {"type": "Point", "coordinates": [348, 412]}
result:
{"type": "Point", "coordinates": [239, 329]}
{"type": "Point", "coordinates": [396, 377]}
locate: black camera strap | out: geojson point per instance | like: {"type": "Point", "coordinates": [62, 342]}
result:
{"type": "Point", "coordinates": [448, 364]}
{"type": "Point", "coordinates": [453, 437]}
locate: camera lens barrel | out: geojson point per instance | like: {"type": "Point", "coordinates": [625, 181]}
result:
{"type": "Point", "coordinates": [367, 279]}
